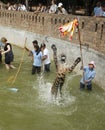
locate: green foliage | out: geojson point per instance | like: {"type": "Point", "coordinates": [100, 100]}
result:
{"type": "Point", "coordinates": [15, 1]}
{"type": "Point", "coordinates": [4, 1]}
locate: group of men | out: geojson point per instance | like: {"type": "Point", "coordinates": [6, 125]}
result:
{"type": "Point", "coordinates": [41, 55]}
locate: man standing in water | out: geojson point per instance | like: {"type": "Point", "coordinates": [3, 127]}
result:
{"type": "Point", "coordinates": [88, 76]}
{"type": "Point", "coordinates": [45, 58]}
{"type": "Point", "coordinates": [9, 56]}
{"type": "Point", "coordinates": [37, 60]}
{"type": "Point", "coordinates": [36, 57]}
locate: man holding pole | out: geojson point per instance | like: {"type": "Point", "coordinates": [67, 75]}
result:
{"type": "Point", "coordinates": [88, 72]}
{"type": "Point", "coordinates": [88, 76]}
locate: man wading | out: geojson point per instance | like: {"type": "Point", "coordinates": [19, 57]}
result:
{"type": "Point", "coordinates": [88, 76]}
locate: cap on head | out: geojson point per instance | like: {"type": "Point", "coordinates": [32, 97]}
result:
{"type": "Point", "coordinates": [60, 5]}
{"type": "Point", "coordinates": [92, 63]}
{"type": "Point", "coordinates": [3, 39]}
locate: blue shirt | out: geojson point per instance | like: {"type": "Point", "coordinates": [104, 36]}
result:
{"type": "Point", "coordinates": [89, 74]}
{"type": "Point", "coordinates": [97, 11]}
{"type": "Point", "coordinates": [1, 45]}
{"type": "Point", "coordinates": [37, 58]}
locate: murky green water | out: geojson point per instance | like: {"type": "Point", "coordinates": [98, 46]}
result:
{"type": "Point", "coordinates": [32, 108]}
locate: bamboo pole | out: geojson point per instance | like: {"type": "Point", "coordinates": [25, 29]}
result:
{"type": "Point", "coordinates": [80, 45]}
{"type": "Point", "coordinates": [15, 77]}
{"type": "Point", "coordinates": [79, 38]}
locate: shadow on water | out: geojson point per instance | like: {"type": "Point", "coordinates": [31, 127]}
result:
{"type": "Point", "coordinates": [27, 104]}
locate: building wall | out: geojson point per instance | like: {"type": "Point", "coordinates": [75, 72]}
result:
{"type": "Point", "coordinates": [92, 29]}
{"type": "Point", "coordinates": [17, 26]}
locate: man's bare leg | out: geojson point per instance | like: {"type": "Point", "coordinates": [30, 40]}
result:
{"type": "Point", "coordinates": [7, 66]}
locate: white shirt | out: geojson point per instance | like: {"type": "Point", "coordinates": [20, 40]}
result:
{"type": "Point", "coordinates": [37, 58]}
{"type": "Point", "coordinates": [46, 52]}
{"type": "Point", "coordinates": [53, 8]}
{"type": "Point", "coordinates": [63, 11]}
{"type": "Point", "coordinates": [22, 8]}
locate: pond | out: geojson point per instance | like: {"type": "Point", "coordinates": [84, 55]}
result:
{"type": "Point", "coordinates": [29, 105]}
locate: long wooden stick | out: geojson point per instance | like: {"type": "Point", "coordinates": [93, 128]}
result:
{"type": "Point", "coordinates": [79, 37]}
{"type": "Point", "coordinates": [20, 63]}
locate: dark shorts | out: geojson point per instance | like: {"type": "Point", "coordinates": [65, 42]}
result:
{"type": "Point", "coordinates": [36, 69]}
{"type": "Point", "coordinates": [9, 57]}
{"type": "Point", "coordinates": [82, 86]}
{"type": "Point", "coordinates": [47, 67]}
{"type": "Point", "coordinates": [0, 57]}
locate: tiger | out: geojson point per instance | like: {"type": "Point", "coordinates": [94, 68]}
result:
{"type": "Point", "coordinates": [61, 72]}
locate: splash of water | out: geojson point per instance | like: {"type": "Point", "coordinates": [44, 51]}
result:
{"type": "Point", "coordinates": [44, 90]}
